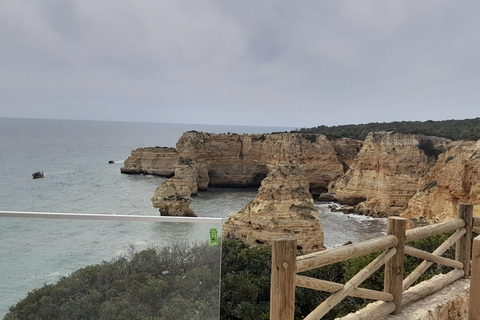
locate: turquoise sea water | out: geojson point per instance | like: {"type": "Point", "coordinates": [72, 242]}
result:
{"type": "Point", "coordinates": [74, 156]}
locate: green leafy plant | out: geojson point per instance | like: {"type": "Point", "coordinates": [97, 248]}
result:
{"type": "Point", "coordinates": [181, 282]}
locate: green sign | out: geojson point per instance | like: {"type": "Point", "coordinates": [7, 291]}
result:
{"type": "Point", "coordinates": [214, 237]}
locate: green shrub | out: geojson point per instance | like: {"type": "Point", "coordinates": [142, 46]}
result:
{"type": "Point", "coordinates": [152, 284]}
{"type": "Point", "coordinates": [138, 286]}
{"type": "Point", "coordinates": [467, 129]}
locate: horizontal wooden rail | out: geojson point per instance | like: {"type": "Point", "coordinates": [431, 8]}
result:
{"type": "Point", "coordinates": [414, 252]}
{"type": "Point", "coordinates": [338, 296]}
{"type": "Point", "coordinates": [397, 291]}
{"type": "Point", "coordinates": [419, 292]}
{"type": "Point", "coordinates": [328, 286]}
{"type": "Point", "coordinates": [382, 309]}
{"type": "Point", "coordinates": [434, 229]}
{"type": "Point", "coordinates": [476, 225]}
{"type": "Point", "coordinates": [415, 274]}
{"type": "Point", "coordinates": [476, 221]}
{"type": "Point", "coordinates": [372, 312]}
{"type": "Point", "coordinates": [324, 258]}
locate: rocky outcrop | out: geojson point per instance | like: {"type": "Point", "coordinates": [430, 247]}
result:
{"type": "Point", "coordinates": [153, 160]}
{"type": "Point", "coordinates": [419, 177]}
{"type": "Point", "coordinates": [283, 207]}
{"type": "Point", "coordinates": [387, 172]}
{"type": "Point", "coordinates": [243, 160]}
{"type": "Point", "coordinates": [453, 180]}
{"type": "Point", "coordinates": [173, 198]}
{"type": "Point", "coordinates": [347, 150]}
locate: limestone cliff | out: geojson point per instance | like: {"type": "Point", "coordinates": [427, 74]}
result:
{"type": "Point", "coordinates": [387, 172]}
{"type": "Point", "coordinates": [173, 198]}
{"type": "Point", "coordinates": [423, 178]}
{"type": "Point", "coordinates": [455, 179]}
{"type": "Point", "coordinates": [283, 207]}
{"type": "Point", "coordinates": [241, 160]}
{"type": "Point", "coordinates": [152, 160]}
{"type": "Point", "coordinates": [347, 150]}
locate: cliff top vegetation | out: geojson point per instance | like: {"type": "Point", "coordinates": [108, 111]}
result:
{"type": "Point", "coordinates": [467, 129]}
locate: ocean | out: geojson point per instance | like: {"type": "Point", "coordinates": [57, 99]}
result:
{"type": "Point", "coordinates": [74, 156]}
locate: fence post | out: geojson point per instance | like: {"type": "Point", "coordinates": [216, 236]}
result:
{"type": "Point", "coordinates": [394, 267]}
{"type": "Point", "coordinates": [474, 300]}
{"type": "Point", "coordinates": [464, 244]}
{"type": "Point", "coordinates": [282, 287]}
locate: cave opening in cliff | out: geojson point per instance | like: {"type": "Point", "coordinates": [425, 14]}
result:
{"type": "Point", "coordinates": [257, 180]}
{"type": "Point", "coordinates": [221, 180]}
{"type": "Point", "coordinates": [317, 191]}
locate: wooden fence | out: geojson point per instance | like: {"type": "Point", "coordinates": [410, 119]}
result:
{"type": "Point", "coordinates": [397, 291]}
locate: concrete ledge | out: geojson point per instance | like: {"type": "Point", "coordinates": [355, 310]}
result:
{"type": "Point", "coordinates": [449, 303]}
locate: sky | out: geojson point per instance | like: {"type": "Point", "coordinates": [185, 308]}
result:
{"type": "Point", "coordinates": [250, 62]}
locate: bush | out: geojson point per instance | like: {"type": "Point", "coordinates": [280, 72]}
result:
{"type": "Point", "coordinates": [468, 129]}
{"type": "Point", "coordinates": [139, 286]}
{"type": "Point", "coordinates": [152, 284]}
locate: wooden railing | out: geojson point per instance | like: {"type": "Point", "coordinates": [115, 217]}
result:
{"type": "Point", "coordinates": [397, 291]}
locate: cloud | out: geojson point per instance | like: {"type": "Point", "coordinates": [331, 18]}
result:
{"type": "Point", "coordinates": [249, 62]}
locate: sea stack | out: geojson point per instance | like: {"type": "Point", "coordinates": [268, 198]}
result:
{"type": "Point", "coordinates": [173, 198]}
{"type": "Point", "coordinates": [283, 207]}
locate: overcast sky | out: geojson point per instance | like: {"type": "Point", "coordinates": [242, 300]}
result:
{"type": "Point", "coordinates": [277, 63]}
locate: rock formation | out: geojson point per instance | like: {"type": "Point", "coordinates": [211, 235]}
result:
{"type": "Point", "coordinates": [347, 150]}
{"type": "Point", "coordinates": [283, 207]}
{"type": "Point", "coordinates": [173, 198]}
{"type": "Point", "coordinates": [158, 161]}
{"type": "Point", "coordinates": [241, 160]}
{"type": "Point", "coordinates": [455, 179]}
{"type": "Point", "coordinates": [419, 177]}
{"type": "Point", "coordinates": [232, 160]}
{"type": "Point", "coordinates": [387, 172]}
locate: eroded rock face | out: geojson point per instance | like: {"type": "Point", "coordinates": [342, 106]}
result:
{"type": "Point", "coordinates": [347, 150]}
{"type": "Point", "coordinates": [240, 160]}
{"type": "Point", "coordinates": [158, 161]}
{"type": "Point", "coordinates": [455, 179]}
{"type": "Point", "coordinates": [173, 198]}
{"type": "Point", "coordinates": [387, 172]}
{"type": "Point", "coordinates": [283, 207]}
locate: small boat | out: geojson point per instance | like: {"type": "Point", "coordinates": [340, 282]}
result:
{"type": "Point", "coordinates": [111, 161]}
{"type": "Point", "coordinates": [37, 175]}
